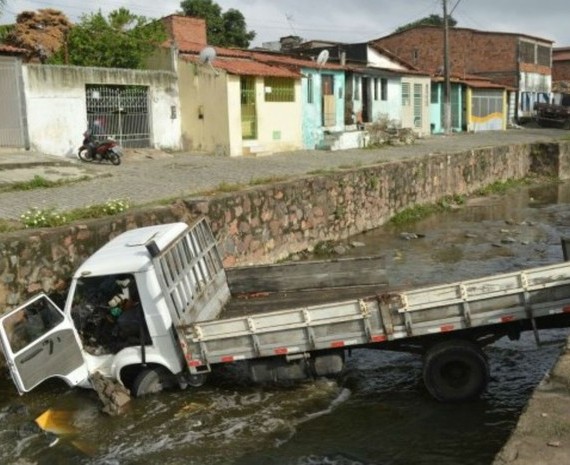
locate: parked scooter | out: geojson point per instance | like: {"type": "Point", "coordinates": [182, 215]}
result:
{"type": "Point", "coordinates": [92, 150]}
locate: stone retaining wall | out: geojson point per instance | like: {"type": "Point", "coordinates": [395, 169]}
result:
{"type": "Point", "coordinates": [266, 223]}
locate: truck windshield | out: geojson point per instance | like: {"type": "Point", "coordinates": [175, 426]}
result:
{"type": "Point", "coordinates": [107, 313]}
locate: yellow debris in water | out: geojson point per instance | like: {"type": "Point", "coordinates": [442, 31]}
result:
{"type": "Point", "coordinates": [191, 407]}
{"type": "Point", "coordinates": [56, 421]}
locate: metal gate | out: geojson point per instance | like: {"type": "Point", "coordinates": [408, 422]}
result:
{"type": "Point", "coordinates": [13, 122]}
{"type": "Point", "coordinates": [119, 112]}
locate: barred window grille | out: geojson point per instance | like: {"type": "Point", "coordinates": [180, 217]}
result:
{"type": "Point", "coordinates": [120, 113]}
{"type": "Point", "coordinates": [279, 89]}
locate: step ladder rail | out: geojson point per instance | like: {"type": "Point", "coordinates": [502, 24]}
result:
{"type": "Point", "coordinates": [466, 307]}
{"type": "Point", "coordinates": [383, 302]}
{"type": "Point", "coordinates": [528, 307]}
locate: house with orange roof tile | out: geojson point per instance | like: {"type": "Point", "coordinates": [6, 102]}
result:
{"type": "Point", "coordinates": [477, 104]}
{"type": "Point", "coordinates": [244, 102]}
{"type": "Point", "coordinates": [379, 86]}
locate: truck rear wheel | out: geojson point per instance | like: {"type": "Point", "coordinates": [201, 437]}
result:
{"type": "Point", "coordinates": [152, 381]}
{"type": "Point", "coordinates": [455, 371]}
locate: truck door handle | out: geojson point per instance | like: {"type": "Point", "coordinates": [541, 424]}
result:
{"type": "Point", "coordinates": [28, 357]}
{"type": "Point", "coordinates": [50, 342]}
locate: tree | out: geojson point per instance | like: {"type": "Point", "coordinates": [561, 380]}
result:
{"type": "Point", "coordinates": [226, 29]}
{"type": "Point", "coordinates": [42, 33]}
{"type": "Point", "coordinates": [5, 29]}
{"type": "Point", "coordinates": [431, 20]}
{"type": "Point", "coordinates": [122, 40]}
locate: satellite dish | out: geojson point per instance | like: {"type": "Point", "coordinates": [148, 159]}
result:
{"type": "Point", "coordinates": [323, 57]}
{"type": "Point", "coordinates": [207, 56]}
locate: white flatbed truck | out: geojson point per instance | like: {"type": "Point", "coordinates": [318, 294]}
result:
{"type": "Point", "coordinates": [149, 310]}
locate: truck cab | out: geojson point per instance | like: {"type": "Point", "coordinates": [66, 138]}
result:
{"type": "Point", "coordinates": [122, 311]}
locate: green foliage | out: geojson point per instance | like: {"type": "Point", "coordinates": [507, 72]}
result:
{"type": "Point", "coordinates": [39, 182]}
{"type": "Point", "coordinates": [227, 29]}
{"type": "Point", "coordinates": [324, 249]}
{"type": "Point", "coordinates": [419, 212]}
{"type": "Point", "coordinates": [122, 40]}
{"type": "Point", "coordinates": [431, 20]}
{"type": "Point", "coordinates": [8, 226]}
{"type": "Point", "coordinates": [40, 218]}
{"type": "Point", "coordinates": [5, 30]}
{"type": "Point", "coordinates": [501, 187]}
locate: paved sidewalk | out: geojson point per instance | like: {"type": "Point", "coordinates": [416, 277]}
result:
{"type": "Point", "coordinates": [147, 176]}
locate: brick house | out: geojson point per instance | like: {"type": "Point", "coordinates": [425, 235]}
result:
{"type": "Point", "coordinates": [561, 69]}
{"type": "Point", "coordinates": [518, 61]}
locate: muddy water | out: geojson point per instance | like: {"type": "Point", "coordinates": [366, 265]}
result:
{"type": "Point", "coordinates": [380, 413]}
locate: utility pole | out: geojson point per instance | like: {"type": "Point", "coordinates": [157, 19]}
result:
{"type": "Point", "coordinates": [447, 88]}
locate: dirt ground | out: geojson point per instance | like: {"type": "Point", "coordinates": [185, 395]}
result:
{"type": "Point", "coordinates": [542, 435]}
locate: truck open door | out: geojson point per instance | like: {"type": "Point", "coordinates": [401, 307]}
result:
{"type": "Point", "coordinates": [40, 342]}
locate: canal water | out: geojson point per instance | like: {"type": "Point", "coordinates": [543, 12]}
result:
{"type": "Point", "coordinates": [377, 414]}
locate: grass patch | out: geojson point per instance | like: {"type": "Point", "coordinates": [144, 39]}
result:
{"type": "Point", "coordinates": [322, 171]}
{"type": "Point", "coordinates": [266, 180]}
{"type": "Point", "coordinates": [39, 182]}
{"type": "Point", "coordinates": [501, 187]}
{"type": "Point", "coordinates": [419, 212]}
{"type": "Point", "coordinates": [228, 187]}
{"type": "Point", "coordinates": [9, 226]}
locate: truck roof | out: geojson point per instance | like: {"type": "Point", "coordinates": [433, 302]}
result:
{"type": "Point", "coordinates": [127, 253]}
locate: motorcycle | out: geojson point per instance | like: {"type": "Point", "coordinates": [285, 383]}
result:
{"type": "Point", "coordinates": [92, 150]}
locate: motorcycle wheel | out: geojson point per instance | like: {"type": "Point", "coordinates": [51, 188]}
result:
{"type": "Point", "coordinates": [115, 159]}
{"type": "Point", "coordinates": [84, 154]}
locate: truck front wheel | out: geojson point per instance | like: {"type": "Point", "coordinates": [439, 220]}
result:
{"type": "Point", "coordinates": [151, 381]}
{"type": "Point", "coordinates": [455, 371]}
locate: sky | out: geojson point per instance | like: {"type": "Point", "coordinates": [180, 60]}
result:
{"type": "Point", "coordinates": [343, 20]}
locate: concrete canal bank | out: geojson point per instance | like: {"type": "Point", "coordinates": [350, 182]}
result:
{"type": "Point", "coordinates": [265, 223]}
{"type": "Point", "coordinates": [542, 434]}
{"type": "Point", "coordinates": [268, 222]}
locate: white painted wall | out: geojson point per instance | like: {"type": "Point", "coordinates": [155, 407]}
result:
{"type": "Point", "coordinates": [392, 107]}
{"type": "Point", "coordinates": [378, 60]}
{"type": "Point", "coordinates": [204, 103]}
{"type": "Point", "coordinates": [279, 124]}
{"type": "Point", "coordinates": [56, 108]}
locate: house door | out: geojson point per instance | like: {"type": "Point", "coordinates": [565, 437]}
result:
{"type": "Point", "coordinates": [248, 108]}
{"type": "Point", "coordinates": [13, 126]}
{"type": "Point", "coordinates": [119, 112]}
{"type": "Point", "coordinates": [329, 106]}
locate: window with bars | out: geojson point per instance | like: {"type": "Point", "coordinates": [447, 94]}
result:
{"type": "Point", "coordinates": [526, 52]}
{"type": "Point", "coordinates": [279, 89]}
{"type": "Point", "coordinates": [406, 94]}
{"type": "Point", "coordinates": [543, 55]}
{"type": "Point", "coordinates": [486, 103]}
{"type": "Point", "coordinates": [417, 105]}
{"type": "Point", "coordinates": [310, 89]}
